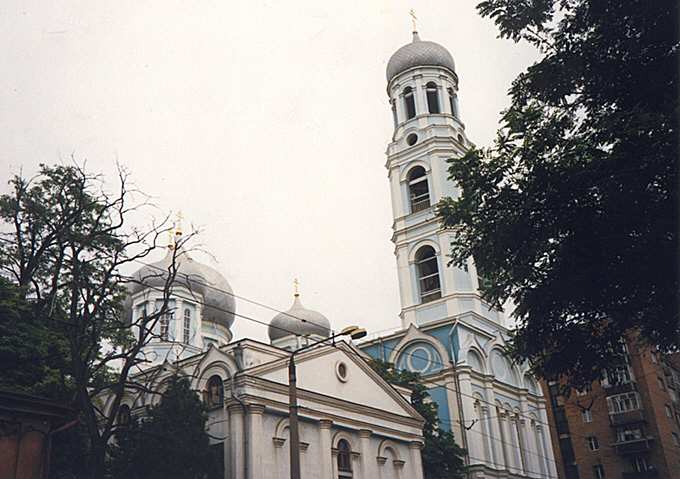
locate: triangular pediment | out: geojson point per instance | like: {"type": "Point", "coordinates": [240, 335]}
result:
{"type": "Point", "coordinates": [319, 371]}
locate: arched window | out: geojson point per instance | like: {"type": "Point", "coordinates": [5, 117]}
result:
{"type": "Point", "coordinates": [187, 325]}
{"type": "Point", "coordinates": [409, 103]}
{"type": "Point", "coordinates": [394, 114]}
{"type": "Point", "coordinates": [215, 392]}
{"type": "Point", "coordinates": [432, 98]}
{"type": "Point", "coordinates": [124, 415]}
{"type": "Point", "coordinates": [419, 192]}
{"type": "Point", "coordinates": [344, 459]}
{"type": "Point", "coordinates": [453, 101]}
{"type": "Point", "coordinates": [165, 327]}
{"type": "Point", "coordinates": [428, 274]}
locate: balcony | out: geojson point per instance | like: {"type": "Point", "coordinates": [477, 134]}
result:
{"type": "Point", "coordinates": [650, 474]}
{"type": "Point", "coordinates": [634, 446]}
{"type": "Point", "coordinates": [627, 417]}
{"type": "Point", "coordinates": [620, 388]}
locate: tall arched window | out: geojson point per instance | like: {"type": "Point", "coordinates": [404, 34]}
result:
{"type": "Point", "coordinates": [124, 415]}
{"type": "Point", "coordinates": [409, 103]}
{"type": "Point", "coordinates": [432, 98]}
{"type": "Point", "coordinates": [187, 325]}
{"type": "Point", "coordinates": [344, 459]}
{"type": "Point", "coordinates": [428, 274]}
{"type": "Point", "coordinates": [215, 392]}
{"type": "Point", "coordinates": [419, 192]}
{"type": "Point", "coordinates": [165, 327]}
{"type": "Point", "coordinates": [453, 101]}
{"type": "Point", "coordinates": [394, 114]}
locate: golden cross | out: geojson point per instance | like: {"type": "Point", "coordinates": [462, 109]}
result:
{"type": "Point", "coordinates": [178, 229]}
{"type": "Point", "coordinates": [296, 287]}
{"type": "Point", "coordinates": [414, 18]}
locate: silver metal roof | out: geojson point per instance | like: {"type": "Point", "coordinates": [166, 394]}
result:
{"type": "Point", "coordinates": [419, 53]}
{"type": "Point", "coordinates": [299, 320]}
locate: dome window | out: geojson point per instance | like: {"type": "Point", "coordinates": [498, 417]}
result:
{"type": "Point", "coordinates": [411, 139]}
{"type": "Point", "coordinates": [432, 98]}
{"type": "Point", "coordinates": [187, 325]}
{"type": "Point", "coordinates": [394, 114]}
{"type": "Point", "coordinates": [428, 274]}
{"type": "Point", "coordinates": [409, 103]}
{"type": "Point", "coordinates": [419, 192]}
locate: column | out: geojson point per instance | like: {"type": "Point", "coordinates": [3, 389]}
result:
{"type": "Point", "coordinates": [367, 459]}
{"type": "Point", "coordinates": [416, 461]}
{"type": "Point", "coordinates": [495, 433]}
{"type": "Point", "coordinates": [533, 465]}
{"type": "Point", "coordinates": [236, 442]}
{"type": "Point", "coordinates": [474, 444]}
{"type": "Point", "coordinates": [505, 441]}
{"type": "Point", "coordinates": [516, 442]}
{"type": "Point", "coordinates": [541, 450]}
{"type": "Point", "coordinates": [255, 444]}
{"type": "Point", "coordinates": [484, 418]}
{"type": "Point", "coordinates": [326, 448]}
{"type": "Point", "coordinates": [549, 453]}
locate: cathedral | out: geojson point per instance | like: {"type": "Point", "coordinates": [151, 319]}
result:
{"type": "Point", "coordinates": [352, 423]}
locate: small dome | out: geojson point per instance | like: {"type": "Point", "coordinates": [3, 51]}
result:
{"type": "Point", "coordinates": [299, 320]}
{"type": "Point", "coordinates": [417, 54]}
{"type": "Point", "coordinates": [218, 299]}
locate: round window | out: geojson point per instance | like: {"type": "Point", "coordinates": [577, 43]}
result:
{"type": "Point", "coordinates": [341, 371]}
{"type": "Point", "coordinates": [411, 139]}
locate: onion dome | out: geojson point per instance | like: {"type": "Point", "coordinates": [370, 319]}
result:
{"type": "Point", "coordinates": [419, 54]}
{"type": "Point", "coordinates": [202, 280]}
{"type": "Point", "coordinates": [300, 321]}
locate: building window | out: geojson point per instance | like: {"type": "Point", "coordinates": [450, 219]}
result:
{"type": "Point", "coordinates": [187, 325]}
{"type": "Point", "coordinates": [215, 392]}
{"type": "Point", "coordinates": [626, 434]}
{"type": "Point", "coordinates": [394, 115]}
{"type": "Point", "coordinates": [619, 375]}
{"type": "Point", "coordinates": [453, 101]}
{"type": "Point", "coordinates": [593, 443]}
{"type": "Point", "coordinates": [622, 403]}
{"type": "Point", "coordinates": [653, 357]}
{"type": "Point", "coordinates": [165, 327]}
{"type": "Point", "coordinates": [640, 464]}
{"type": "Point", "coordinates": [419, 191]}
{"type": "Point", "coordinates": [669, 412]}
{"type": "Point", "coordinates": [598, 471]}
{"type": "Point", "coordinates": [585, 391]}
{"type": "Point", "coordinates": [587, 415]}
{"type": "Point", "coordinates": [409, 103]}
{"type": "Point", "coordinates": [432, 98]}
{"type": "Point", "coordinates": [676, 439]}
{"type": "Point", "coordinates": [344, 459]}
{"type": "Point", "coordinates": [428, 274]}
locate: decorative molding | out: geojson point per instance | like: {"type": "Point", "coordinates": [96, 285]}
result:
{"type": "Point", "coordinates": [256, 408]}
{"type": "Point", "coordinates": [365, 433]}
{"type": "Point", "coordinates": [398, 463]}
{"type": "Point", "coordinates": [279, 441]}
{"type": "Point", "coordinates": [325, 423]}
{"type": "Point", "coordinates": [381, 460]}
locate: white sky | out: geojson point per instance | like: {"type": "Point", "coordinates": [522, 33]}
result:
{"type": "Point", "coordinates": [264, 122]}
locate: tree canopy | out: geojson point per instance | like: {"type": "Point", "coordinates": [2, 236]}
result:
{"type": "Point", "coordinates": [442, 457]}
{"type": "Point", "coordinates": [168, 441]}
{"type": "Point", "coordinates": [573, 212]}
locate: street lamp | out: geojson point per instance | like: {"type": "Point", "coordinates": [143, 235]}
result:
{"type": "Point", "coordinates": [354, 332]}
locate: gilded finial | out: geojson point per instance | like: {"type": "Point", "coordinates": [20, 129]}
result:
{"type": "Point", "coordinates": [412, 12]}
{"type": "Point", "coordinates": [178, 223]}
{"type": "Point", "coordinates": [296, 287]}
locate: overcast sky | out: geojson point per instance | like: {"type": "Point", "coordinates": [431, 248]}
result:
{"type": "Point", "coordinates": [264, 122]}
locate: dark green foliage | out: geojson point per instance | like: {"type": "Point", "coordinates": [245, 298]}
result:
{"type": "Point", "coordinates": [442, 457]}
{"type": "Point", "coordinates": [170, 441]}
{"type": "Point", "coordinates": [573, 213]}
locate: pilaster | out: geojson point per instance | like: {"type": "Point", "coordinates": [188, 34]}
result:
{"type": "Point", "coordinates": [236, 441]}
{"type": "Point", "coordinates": [256, 445]}
{"type": "Point", "coordinates": [416, 461]}
{"type": "Point", "coordinates": [367, 469]}
{"type": "Point", "coordinates": [326, 459]}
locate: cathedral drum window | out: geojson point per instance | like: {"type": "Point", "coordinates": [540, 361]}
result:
{"type": "Point", "coordinates": [187, 326]}
{"type": "Point", "coordinates": [432, 98]}
{"type": "Point", "coordinates": [453, 102]}
{"type": "Point", "coordinates": [427, 268]}
{"type": "Point", "coordinates": [419, 191]}
{"type": "Point", "coordinates": [420, 357]}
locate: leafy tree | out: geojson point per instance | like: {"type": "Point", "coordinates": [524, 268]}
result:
{"type": "Point", "coordinates": [573, 212]}
{"type": "Point", "coordinates": [65, 240]}
{"type": "Point", "coordinates": [442, 457]}
{"type": "Point", "coordinates": [171, 441]}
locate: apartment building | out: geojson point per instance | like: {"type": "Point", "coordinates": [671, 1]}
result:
{"type": "Point", "coordinates": [625, 426]}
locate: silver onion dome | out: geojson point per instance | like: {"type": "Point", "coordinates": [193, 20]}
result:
{"type": "Point", "coordinates": [217, 296]}
{"type": "Point", "coordinates": [417, 54]}
{"type": "Point", "coordinates": [300, 321]}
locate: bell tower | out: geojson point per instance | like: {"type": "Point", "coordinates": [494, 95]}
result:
{"type": "Point", "coordinates": [422, 86]}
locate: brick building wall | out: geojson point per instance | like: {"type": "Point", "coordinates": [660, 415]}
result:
{"type": "Point", "coordinates": [625, 426]}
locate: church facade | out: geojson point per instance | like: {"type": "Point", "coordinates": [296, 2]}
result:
{"type": "Point", "coordinates": [448, 334]}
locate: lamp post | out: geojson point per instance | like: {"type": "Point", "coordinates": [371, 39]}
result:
{"type": "Point", "coordinates": [353, 332]}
